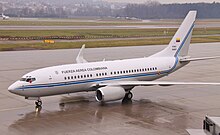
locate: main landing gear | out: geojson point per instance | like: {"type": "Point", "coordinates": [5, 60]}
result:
{"type": "Point", "coordinates": [128, 97]}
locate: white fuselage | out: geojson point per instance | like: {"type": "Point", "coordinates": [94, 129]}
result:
{"type": "Point", "coordinates": [80, 77]}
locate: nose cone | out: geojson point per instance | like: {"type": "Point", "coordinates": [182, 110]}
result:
{"type": "Point", "coordinates": [13, 88]}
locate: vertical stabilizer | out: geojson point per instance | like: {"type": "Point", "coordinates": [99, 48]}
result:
{"type": "Point", "coordinates": [179, 45]}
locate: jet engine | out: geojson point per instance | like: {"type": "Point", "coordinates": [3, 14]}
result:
{"type": "Point", "coordinates": [110, 93]}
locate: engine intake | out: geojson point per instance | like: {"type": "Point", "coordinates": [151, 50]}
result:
{"type": "Point", "coordinates": [110, 93]}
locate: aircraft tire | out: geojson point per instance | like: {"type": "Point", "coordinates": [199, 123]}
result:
{"type": "Point", "coordinates": [38, 103]}
{"type": "Point", "coordinates": [129, 95]}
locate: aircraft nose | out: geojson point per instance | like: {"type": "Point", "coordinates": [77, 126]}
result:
{"type": "Point", "coordinates": [12, 88]}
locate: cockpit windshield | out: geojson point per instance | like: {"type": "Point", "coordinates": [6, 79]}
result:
{"type": "Point", "coordinates": [23, 79]}
{"type": "Point", "coordinates": [28, 79]}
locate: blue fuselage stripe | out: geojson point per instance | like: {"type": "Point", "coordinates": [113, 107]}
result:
{"type": "Point", "coordinates": [92, 80]}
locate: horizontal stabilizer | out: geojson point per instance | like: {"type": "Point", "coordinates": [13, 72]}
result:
{"type": "Point", "coordinates": [80, 58]}
{"type": "Point", "coordinates": [197, 59]}
{"type": "Point", "coordinates": [150, 83]}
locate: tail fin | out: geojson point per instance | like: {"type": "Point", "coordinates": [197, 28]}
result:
{"type": "Point", "coordinates": [179, 45]}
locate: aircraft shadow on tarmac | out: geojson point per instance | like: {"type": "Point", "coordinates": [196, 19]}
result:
{"type": "Point", "coordinates": [84, 114]}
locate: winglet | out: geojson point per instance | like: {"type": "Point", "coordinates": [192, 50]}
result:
{"type": "Point", "coordinates": [79, 58]}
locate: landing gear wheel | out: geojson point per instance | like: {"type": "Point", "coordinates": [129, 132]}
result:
{"type": "Point", "coordinates": [127, 98]}
{"type": "Point", "coordinates": [129, 95]}
{"type": "Point", "coordinates": [38, 103]}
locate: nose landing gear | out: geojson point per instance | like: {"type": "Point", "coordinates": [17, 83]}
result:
{"type": "Point", "coordinates": [38, 103]}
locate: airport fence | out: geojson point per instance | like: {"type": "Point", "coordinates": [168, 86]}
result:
{"type": "Point", "coordinates": [2, 38]}
{"type": "Point", "coordinates": [5, 38]}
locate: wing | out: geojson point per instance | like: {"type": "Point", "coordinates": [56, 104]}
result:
{"type": "Point", "coordinates": [151, 83]}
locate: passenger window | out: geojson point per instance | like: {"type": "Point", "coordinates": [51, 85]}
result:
{"type": "Point", "coordinates": [65, 78]}
{"type": "Point", "coordinates": [90, 75]}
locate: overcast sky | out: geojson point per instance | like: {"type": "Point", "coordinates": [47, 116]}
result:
{"type": "Point", "coordinates": [166, 1]}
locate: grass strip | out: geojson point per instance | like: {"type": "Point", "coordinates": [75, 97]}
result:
{"type": "Point", "coordinates": [95, 44]}
{"type": "Point", "coordinates": [105, 33]}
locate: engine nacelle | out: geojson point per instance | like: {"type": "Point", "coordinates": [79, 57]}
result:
{"type": "Point", "coordinates": [110, 93]}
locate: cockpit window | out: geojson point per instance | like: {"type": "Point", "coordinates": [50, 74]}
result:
{"type": "Point", "coordinates": [28, 79]}
{"type": "Point", "coordinates": [23, 79]}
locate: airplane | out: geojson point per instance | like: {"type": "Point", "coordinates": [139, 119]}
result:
{"type": "Point", "coordinates": [112, 80]}
{"type": "Point", "coordinates": [5, 17]}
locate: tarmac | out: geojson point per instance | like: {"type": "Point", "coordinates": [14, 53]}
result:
{"type": "Point", "coordinates": [155, 110]}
